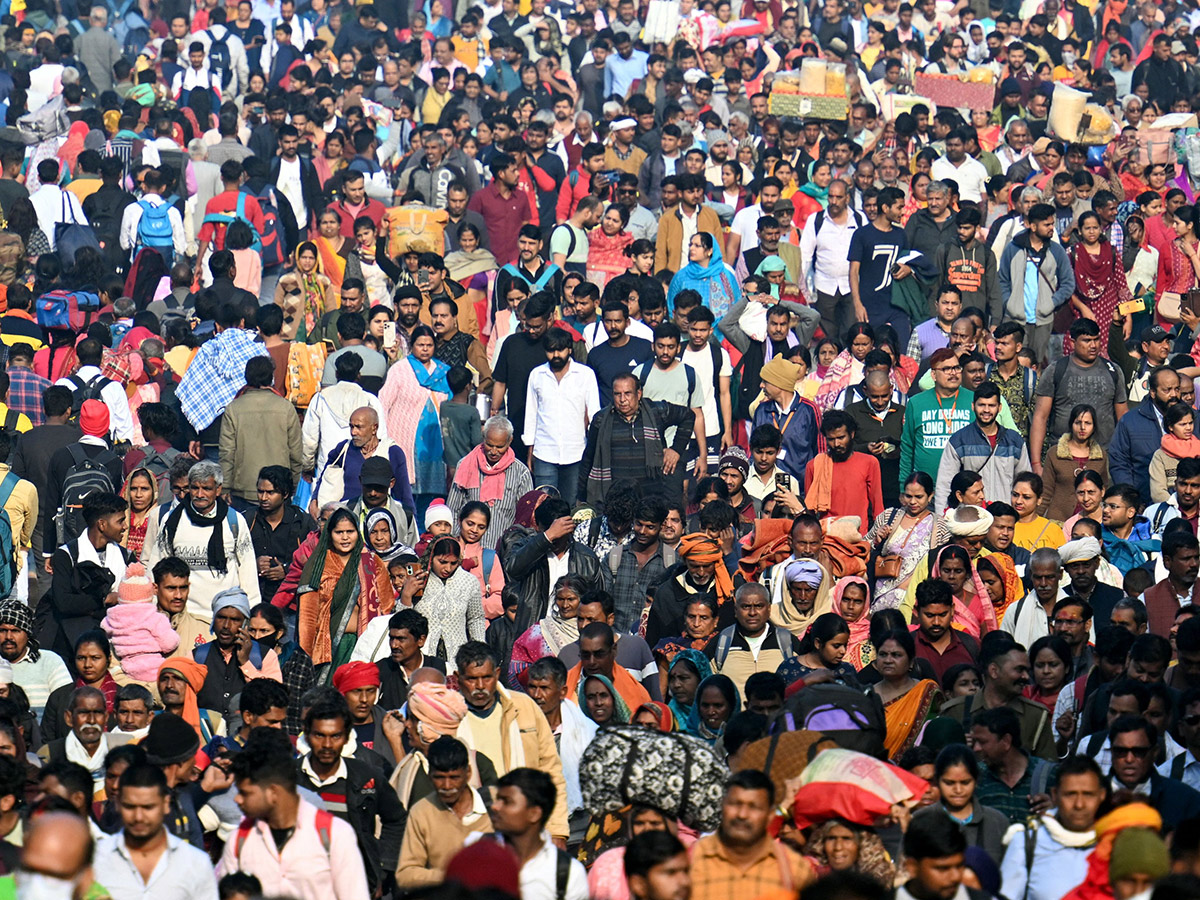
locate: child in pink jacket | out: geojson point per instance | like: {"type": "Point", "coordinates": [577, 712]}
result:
{"type": "Point", "coordinates": [141, 635]}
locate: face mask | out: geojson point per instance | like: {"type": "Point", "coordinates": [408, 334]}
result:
{"type": "Point", "coordinates": [1068, 59]}
{"type": "Point", "coordinates": [268, 642]}
{"type": "Point", "coordinates": [36, 886]}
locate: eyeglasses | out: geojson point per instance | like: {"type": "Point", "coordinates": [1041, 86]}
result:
{"type": "Point", "coordinates": [1136, 752]}
{"type": "Point", "coordinates": [948, 369]}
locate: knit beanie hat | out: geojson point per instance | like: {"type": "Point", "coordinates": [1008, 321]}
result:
{"type": "Point", "coordinates": [171, 740]}
{"type": "Point", "coordinates": [1138, 851]}
{"type": "Point", "coordinates": [780, 373]}
{"type": "Point", "coordinates": [438, 512]}
{"type": "Point", "coordinates": [136, 586]}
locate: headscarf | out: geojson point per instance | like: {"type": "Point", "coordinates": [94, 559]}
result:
{"type": "Point", "coordinates": [873, 860]}
{"type": "Point", "coordinates": [977, 617]}
{"type": "Point", "coordinates": [1131, 815]}
{"type": "Point", "coordinates": [17, 614]}
{"type": "Point", "coordinates": [809, 188]}
{"type": "Point", "coordinates": [69, 152]}
{"type": "Point", "coordinates": [1003, 565]}
{"type": "Point", "coordinates": [1082, 550]}
{"type": "Point", "coordinates": [233, 597]}
{"type": "Point", "coordinates": [773, 264]}
{"type": "Point", "coordinates": [783, 608]}
{"type": "Point", "coordinates": [558, 632]}
{"type": "Point", "coordinates": [319, 642]}
{"type": "Point", "coordinates": [860, 628]}
{"type": "Point", "coordinates": [620, 707]}
{"type": "Point", "coordinates": [526, 507]}
{"type": "Point", "coordinates": [194, 674]}
{"type": "Point", "coordinates": [662, 712]}
{"type": "Point", "coordinates": [703, 668]}
{"type": "Point", "coordinates": [700, 548]}
{"type": "Point", "coordinates": [437, 708]}
{"type": "Point", "coordinates": [311, 287]}
{"type": "Point", "coordinates": [353, 676]}
{"type": "Point", "coordinates": [725, 685]}
{"type": "Point", "coordinates": [397, 547]}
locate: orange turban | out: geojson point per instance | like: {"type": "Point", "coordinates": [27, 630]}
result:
{"type": "Point", "coordinates": [194, 674]}
{"type": "Point", "coordinates": [354, 675]}
{"type": "Point", "coordinates": [702, 549]}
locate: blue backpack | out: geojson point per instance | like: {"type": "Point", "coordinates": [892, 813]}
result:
{"type": "Point", "coordinates": [227, 219]}
{"type": "Point", "coordinates": [154, 230]}
{"type": "Point", "coordinates": [66, 309]}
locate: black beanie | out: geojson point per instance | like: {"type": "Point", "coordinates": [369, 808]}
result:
{"type": "Point", "coordinates": [171, 740]}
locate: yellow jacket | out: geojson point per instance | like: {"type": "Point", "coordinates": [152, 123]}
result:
{"type": "Point", "coordinates": [22, 509]}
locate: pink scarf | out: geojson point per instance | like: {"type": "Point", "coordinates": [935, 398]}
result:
{"type": "Point", "coordinates": [476, 472]}
{"type": "Point", "coordinates": [979, 616]}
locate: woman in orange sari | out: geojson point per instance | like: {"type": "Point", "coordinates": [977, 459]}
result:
{"type": "Point", "coordinates": [332, 249]}
{"type": "Point", "coordinates": [907, 702]}
{"type": "Point", "coordinates": [343, 586]}
{"type": "Point", "coordinates": [1000, 579]}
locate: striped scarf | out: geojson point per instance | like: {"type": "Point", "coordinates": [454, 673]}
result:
{"type": "Point", "coordinates": [601, 475]}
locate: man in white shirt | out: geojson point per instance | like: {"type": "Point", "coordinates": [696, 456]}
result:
{"type": "Point", "coordinates": [218, 34]}
{"type": "Point", "coordinates": [520, 809]}
{"type": "Point", "coordinates": [969, 174]}
{"type": "Point", "coordinates": [702, 355]}
{"type": "Point", "coordinates": [560, 400]}
{"type": "Point", "coordinates": [90, 353]}
{"type": "Point", "coordinates": [52, 204]}
{"type": "Point", "coordinates": [823, 261]}
{"type": "Point", "coordinates": [134, 236]}
{"type": "Point", "coordinates": [143, 859]}
{"type": "Point", "coordinates": [196, 76]}
{"type": "Point", "coordinates": [743, 231]}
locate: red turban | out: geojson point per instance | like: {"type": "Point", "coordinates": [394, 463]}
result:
{"type": "Point", "coordinates": [354, 675]}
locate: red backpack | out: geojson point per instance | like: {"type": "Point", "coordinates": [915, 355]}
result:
{"type": "Point", "coordinates": [324, 823]}
{"type": "Point", "coordinates": [273, 253]}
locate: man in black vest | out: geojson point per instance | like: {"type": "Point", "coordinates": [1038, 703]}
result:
{"type": "Point", "coordinates": [233, 657]}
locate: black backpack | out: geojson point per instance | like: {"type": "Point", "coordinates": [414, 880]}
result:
{"type": "Point", "coordinates": [88, 475]}
{"type": "Point", "coordinates": [84, 391]}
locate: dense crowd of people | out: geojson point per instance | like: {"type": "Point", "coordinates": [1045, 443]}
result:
{"type": "Point", "coordinates": [594, 450]}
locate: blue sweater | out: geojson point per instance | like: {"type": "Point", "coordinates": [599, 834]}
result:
{"type": "Point", "coordinates": [1137, 436]}
{"type": "Point", "coordinates": [799, 427]}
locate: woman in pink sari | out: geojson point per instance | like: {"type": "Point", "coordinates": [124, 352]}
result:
{"type": "Point", "coordinates": [607, 246]}
{"type": "Point", "coordinates": [973, 610]}
{"type": "Point", "coordinates": [851, 601]}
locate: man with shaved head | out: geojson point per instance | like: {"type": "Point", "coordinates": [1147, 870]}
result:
{"type": "Point", "coordinates": [878, 417]}
{"type": "Point", "coordinates": [388, 470]}
{"type": "Point", "coordinates": [57, 847]}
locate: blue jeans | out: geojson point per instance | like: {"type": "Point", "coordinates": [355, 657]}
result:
{"type": "Point", "coordinates": [563, 477]}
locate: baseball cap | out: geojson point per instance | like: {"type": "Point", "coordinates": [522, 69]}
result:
{"type": "Point", "coordinates": [376, 472]}
{"type": "Point", "coordinates": [1154, 334]}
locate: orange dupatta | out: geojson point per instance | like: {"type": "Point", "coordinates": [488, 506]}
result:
{"type": "Point", "coordinates": [332, 262]}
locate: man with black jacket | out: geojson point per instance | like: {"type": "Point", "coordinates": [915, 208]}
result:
{"type": "Point", "coordinates": [353, 791]}
{"type": "Point", "coordinates": [295, 178]}
{"type": "Point", "coordinates": [104, 209]}
{"type": "Point", "coordinates": [277, 528]}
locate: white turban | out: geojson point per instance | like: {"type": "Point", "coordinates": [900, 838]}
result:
{"type": "Point", "coordinates": [968, 521]}
{"type": "Point", "coordinates": [1082, 550]}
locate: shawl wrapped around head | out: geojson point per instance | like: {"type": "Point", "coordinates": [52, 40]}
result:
{"type": "Point", "coordinates": [783, 608]}
{"type": "Point", "coordinates": [977, 617]}
{"type": "Point", "coordinates": [621, 714]}
{"type": "Point", "coordinates": [365, 584]}
{"type": "Point", "coordinates": [662, 712]}
{"type": "Point", "coordinates": [1096, 883]}
{"type": "Point", "coordinates": [873, 860]}
{"type": "Point", "coordinates": [860, 628]}
{"type": "Point", "coordinates": [702, 549]}
{"type": "Point", "coordinates": [703, 668]}
{"type": "Point", "coordinates": [1002, 565]}
{"type": "Point", "coordinates": [194, 674]}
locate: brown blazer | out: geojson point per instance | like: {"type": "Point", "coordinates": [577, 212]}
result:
{"type": "Point", "coordinates": [670, 252]}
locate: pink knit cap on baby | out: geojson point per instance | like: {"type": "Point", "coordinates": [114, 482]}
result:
{"type": "Point", "coordinates": [136, 586]}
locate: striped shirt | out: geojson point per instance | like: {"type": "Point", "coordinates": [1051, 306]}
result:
{"type": "Point", "coordinates": [716, 877]}
{"type": "Point", "coordinates": [517, 483]}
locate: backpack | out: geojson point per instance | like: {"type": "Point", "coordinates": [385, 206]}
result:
{"type": "Point", "coordinates": [11, 418]}
{"type": "Point", "coordinates": [852, 718]}
{"type": "Point", "coordinates": [159, 465]}
{"type": "Point", "coordinates": [220, 60]}
{"type": "Point", "coordinates": [305, 366]}
{"type": "Point", "coordinates": [86, 476]}
{"type": "Point", "coordinates": [154, 231]}
{"type": "Point", "coordinates": [618, 550]}
{"type": "Point", "coordinates": [725, 643]}
{"type": "Point", "coordinates": [643, 375]}
{"type": "Point", "coordinates": [271, 242]}
{"type": "Point", "coordinates": [67, 309]}
{"type": "Point", "coordinates": [227, 219]}
{"type": "Point", "coordinates": [568, 266]}
{"type": "Point", "coordinates": [85, 390]}
{"type": "Point", "coordinates": [1060, 372]}
{"type": "Point", "coordinates": [323, 822]}
{"type": "Point", "coordinates": [8, 552]}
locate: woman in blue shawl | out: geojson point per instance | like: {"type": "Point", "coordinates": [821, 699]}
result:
{"type": "Point", "coordinates": [717, 701]}
{"type": "Point", "coordinates": [708, 275]}
{"type": "Point", "coordinates": [412, 394]}
{"type": "Point", "coordinates": [688, 669]}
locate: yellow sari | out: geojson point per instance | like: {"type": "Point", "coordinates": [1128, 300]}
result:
{"type": "Point", "coordinates": [906, 716]}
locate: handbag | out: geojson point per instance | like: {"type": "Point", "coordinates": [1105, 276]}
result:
{"type": "Point", "coordinates": [1169, 305]}
{"type": "Point", "coordinates": [888, 565]}
{"type": "Point", "coordinates": [332, 486]}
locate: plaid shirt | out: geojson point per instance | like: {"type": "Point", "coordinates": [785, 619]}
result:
{"type": "Point", "coordinates": [298, 677]}
{"type": "Point", "coordinates": [716, 877]}
{"type": "Point", "coordinates": [1014, 801]}
{"type": "Point", "coordinates": [25, 390]}
{"type": "Point", "coordinates": [216, 374]}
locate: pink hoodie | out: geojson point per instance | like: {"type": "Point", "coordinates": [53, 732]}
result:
{"type": "Point", "coordinates": [141, 636]}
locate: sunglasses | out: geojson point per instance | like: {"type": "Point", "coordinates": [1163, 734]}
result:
{"type": "Point", "coordinates": [1136, 752]}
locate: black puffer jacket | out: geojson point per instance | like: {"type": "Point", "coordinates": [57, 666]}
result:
{"type": "Point", "coordinates": [523, 554]}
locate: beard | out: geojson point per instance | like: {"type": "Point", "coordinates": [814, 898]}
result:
{"type": "Point", "coordinates": [840, 455]}
{"type": "Point", "coordinates": [557, 364]}
{"type": "Point", "coordinates": [409, 321]}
